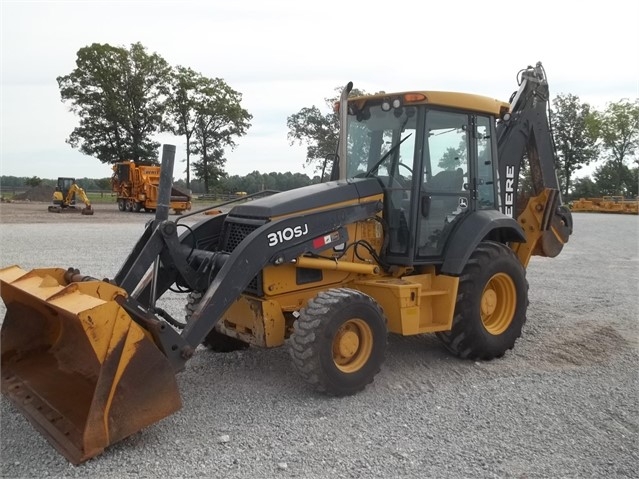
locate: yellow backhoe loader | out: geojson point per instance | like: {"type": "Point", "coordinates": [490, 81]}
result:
{"type": "Point", "coordinates": [64, 197]}
{"type": "Point", "coordinates": [421, 229]}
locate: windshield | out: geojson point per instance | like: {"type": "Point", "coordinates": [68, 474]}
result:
{"type": "Point", "coordinates": [374, 133]}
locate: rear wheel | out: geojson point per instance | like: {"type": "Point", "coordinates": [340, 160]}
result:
{"type": "Point", "coordinates": [129, 205]}
{"type": "Point", "coordinates": [339, 341]}
{"type": "Point", "coordinates": [136, 206]}
{"type": "Point", "coordinates": [215, 341]}
{"type": "Point", "coordinates": [121, 205]}
{"type": "Point", "coordinates": [492, 299]}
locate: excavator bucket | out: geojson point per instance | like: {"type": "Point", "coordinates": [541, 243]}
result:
{"type": "Point", "coordinates": [75, 363]}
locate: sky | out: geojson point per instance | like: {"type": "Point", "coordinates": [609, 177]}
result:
{"type": "Point", "coordinates": [283, 56]}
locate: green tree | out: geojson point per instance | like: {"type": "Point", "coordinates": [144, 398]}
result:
{"type": "Point", "coordinates": [219, 119]}
{"type": "Point", "coordinates": [619, 126]}
{"type": "Point", "coordinates": [584, 188]}
{"type": "Point", "coordinates": [252, 183]}
{"type": "Point", "coordinates": [103, 183]}
{"type": "Point", "coordinates": [318, 131]}
{"type": "Point", "coordinates": [33, 181]}
{"type": "Point", "coordinates": [187, 91]}
{"type": "Point", "coordinates": [210, 166]}
{"type": "Point", "coordinates": [119, 96]}
{"type": "Point", "coordinates": [615, 179]}
{"type": "Point", "coordinates": [575, 133]}
{"type": "Point", "coordinates": [231, 184]}
{"type": "Point", "coordinates": [633, 187]}
{"type": "Point", "coordinates": [11, 181]}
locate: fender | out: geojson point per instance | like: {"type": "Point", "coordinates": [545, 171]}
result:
{"type": "Point", "coordinates": [472, 229]}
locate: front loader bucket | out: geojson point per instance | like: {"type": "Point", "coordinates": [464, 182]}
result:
{"type": "Point", "coordinates": [74, 362]}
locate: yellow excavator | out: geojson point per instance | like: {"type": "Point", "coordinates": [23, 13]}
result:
{"type": "Point", "coordinates": [422, 228]}
{"type": "Point", "coordinates": [64, 197]}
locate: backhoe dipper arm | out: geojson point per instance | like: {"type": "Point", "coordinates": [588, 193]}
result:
{"type": "Point", "coordinates": [75, 189]}
{"type": "Point", "coordinates": [525, 132]}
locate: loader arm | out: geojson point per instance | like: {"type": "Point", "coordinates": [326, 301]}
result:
{"type": "Point", "coordinates": [227, 275]}
{"type": "Point", "coordinates": [525, 132]}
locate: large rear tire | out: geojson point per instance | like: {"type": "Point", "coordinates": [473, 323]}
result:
{"type": "Point", "coordinates": [492, 299]}
{"type": "Point", "coordinates": [121, 205]}
{"type": "Point", "coordinates": [215, 341]}
{"type": "Point", "coordinates": [338, 342]}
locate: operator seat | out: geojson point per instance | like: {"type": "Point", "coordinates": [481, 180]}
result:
{"type": "Point", "coordinates": [447, 182]}
{"type": "Point", "coordinates": [444, 190]}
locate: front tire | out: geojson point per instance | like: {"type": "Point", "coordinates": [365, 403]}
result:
{"type": "Point", "coordinates": [339, 341]}
{"type": "Point", "coordinates": [215, 341]}
{"type": "Point", "coordinates": [492, 299]}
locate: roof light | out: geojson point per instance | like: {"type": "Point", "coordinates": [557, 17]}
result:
{"type": "Point", "coordinates": [414, 97]}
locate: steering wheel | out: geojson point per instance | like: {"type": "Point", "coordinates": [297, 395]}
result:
{"type": "Point", "coordinates": [405, 166]}
{"type": "Point", "coordinates": [401, 179]}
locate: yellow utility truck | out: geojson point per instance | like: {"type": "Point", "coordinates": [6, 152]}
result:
{"type": "Point", "coordinates": [137, 188]}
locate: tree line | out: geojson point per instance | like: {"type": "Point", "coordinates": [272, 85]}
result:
{"type": "Point", "coordinates": [254, 182]}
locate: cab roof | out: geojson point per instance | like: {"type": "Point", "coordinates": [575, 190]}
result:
{"type": "Point", "coordinates": [465, 101]}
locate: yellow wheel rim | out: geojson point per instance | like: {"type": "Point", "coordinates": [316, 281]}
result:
{"type": "Point", "coordinates": [352, 345]}
{"type": "Point", "coordinates": [498, 303]}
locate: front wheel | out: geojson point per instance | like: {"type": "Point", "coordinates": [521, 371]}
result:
{"type": "Point", "coordinates": [214, 340]}
{"type": "Point", "coordinates": [492, 299]}
{"type": "Point", "coordinates": [338, 342]}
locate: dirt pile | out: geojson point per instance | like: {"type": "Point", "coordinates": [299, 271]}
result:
{"type": "Point", "coordinates": [38, 193]}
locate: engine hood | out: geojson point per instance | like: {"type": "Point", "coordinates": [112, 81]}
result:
{"type": "Point", "coordinates": [308, 197]}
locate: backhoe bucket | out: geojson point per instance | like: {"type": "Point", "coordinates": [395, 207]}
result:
{"type": "Point", "coordinates": [75, 363]}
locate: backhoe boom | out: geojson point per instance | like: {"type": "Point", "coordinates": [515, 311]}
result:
{"type": "Point", "coordinates": [525, 133]}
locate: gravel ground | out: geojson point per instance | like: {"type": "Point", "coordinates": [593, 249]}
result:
{"type": "Point", "coordinates": [562, 404]}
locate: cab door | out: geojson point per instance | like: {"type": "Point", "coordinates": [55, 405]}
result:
{"type": "Point", "coordinates": [445, 189]}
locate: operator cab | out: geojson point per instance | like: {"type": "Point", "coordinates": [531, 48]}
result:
{"type": "Point", "coordinates": [436, 162]}
{"type": "Point", "coordinates": [63, 186]}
